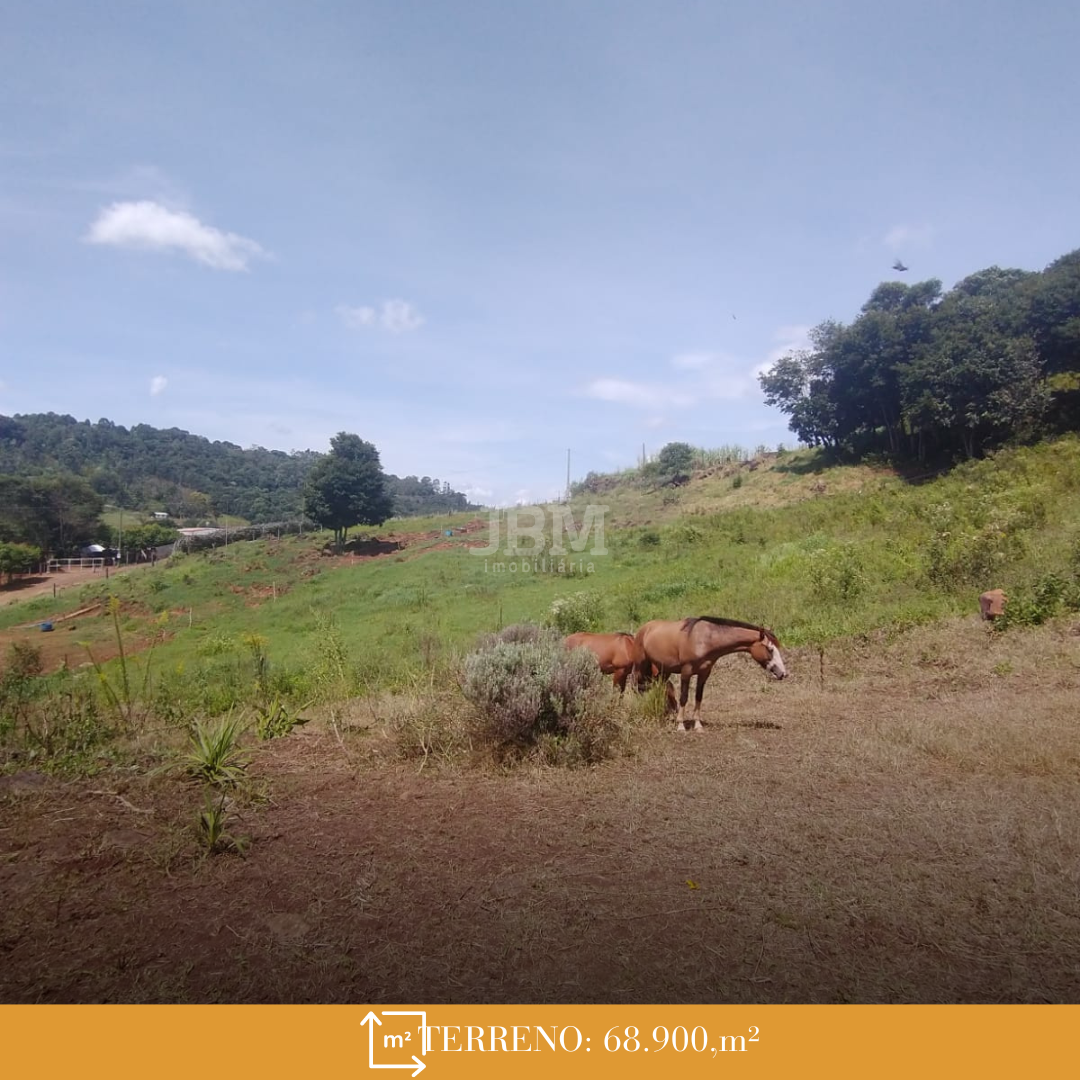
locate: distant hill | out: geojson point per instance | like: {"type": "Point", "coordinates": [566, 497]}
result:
{"type": "Point", "coordinates": [187, 475]}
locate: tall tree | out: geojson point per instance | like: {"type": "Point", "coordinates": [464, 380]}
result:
{"type": "Point", "coordinates": [801, 384]}
{"type": "Point", "coordinates": [347, 487]}
{"type": "Point", "coordinates": [56, 513]}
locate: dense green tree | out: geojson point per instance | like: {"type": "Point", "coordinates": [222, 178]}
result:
{"type": "Point", "coordinates": [347, 487]}
{"type": "Point", "coordinates": [56, 513]}
{"type": "Point", "coordinates": [924, 374]}
{"type": "Point", "coordinates": [18, 559]}
{"type": "Point", "coordinates": [800, 384]}
{"type": "Point", "coordinates": [135, 537]}
{"type": "Point", "coordinates": [1055, 314]}
{"type": "Point", "coordinates": [675, 461]}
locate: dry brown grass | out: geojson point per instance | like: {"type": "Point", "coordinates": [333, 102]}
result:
{"type": "Point", "coordinates": [896, 822]}
{"type": "Point", "coordinates": [766, 484]}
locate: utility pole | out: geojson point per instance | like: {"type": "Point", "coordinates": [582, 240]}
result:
{"type": "Point", "coordinates": [567, 475]}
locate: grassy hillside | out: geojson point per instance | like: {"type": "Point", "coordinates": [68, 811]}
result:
{"type": "Point", "coordinates": [817, 554]}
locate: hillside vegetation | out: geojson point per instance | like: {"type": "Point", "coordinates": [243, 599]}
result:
{"type": "Point", "coordinates": [818, 554]}
{"type": "Point", "coordinates": [190, 476]}
{"type": "Point", "coordinates": [930, 375]}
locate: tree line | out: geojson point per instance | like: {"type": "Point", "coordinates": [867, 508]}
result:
{"type": "Point", "coordinates": [57, 474]}
{"type": "Point", "coordinates": [924, 374]}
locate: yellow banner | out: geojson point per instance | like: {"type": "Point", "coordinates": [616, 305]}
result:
{"type": "Point", "coordinates": [444, 1042]}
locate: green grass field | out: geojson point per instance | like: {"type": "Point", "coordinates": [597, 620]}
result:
{"type": "Point", "coordinates": [818, 554]}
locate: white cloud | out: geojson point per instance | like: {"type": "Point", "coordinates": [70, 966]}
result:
{"type": "Point", "coordinates": [908, 236]}
{"type": "Point", "coordinates": [157, 385]}
{"type": "Point", "coordinates": [693, 361]}
{"type": "Point", "coordinates": [149, 226]}
{"type": "Point", "coordinates": [697, 376]}
{"type": "Point", "coordinates": [638, 394]}
{"type": "Point", "coordinates": [394, 316]}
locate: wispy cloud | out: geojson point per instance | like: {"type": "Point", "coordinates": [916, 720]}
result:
{"type": "Point", "coordinates": [642, 395]}
{"type": "Point", "coordinates": [693, 361]}
{"type": "Point", "coordinates": [394, 316]}
{"type": "Point", "coordinates": [157, 385]}
{"type": "Point", "coordinates": [908, 236]}
{"type": "Point", "coordinates": [149, 226]}
{"type": "Point", "coordinates": [694, 376]}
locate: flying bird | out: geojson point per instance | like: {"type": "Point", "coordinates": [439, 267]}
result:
{"type": "Point", "coordinates": [898, 265]}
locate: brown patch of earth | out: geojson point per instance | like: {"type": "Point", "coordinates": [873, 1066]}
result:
{"type": "Point", "coordinates": [892, 835]}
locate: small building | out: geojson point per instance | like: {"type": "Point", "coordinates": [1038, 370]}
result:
{"type": "Point", "coordinates": [161, 515]}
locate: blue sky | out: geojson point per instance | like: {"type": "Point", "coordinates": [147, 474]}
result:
{"type": "Point", "coordinates": [482, 233]}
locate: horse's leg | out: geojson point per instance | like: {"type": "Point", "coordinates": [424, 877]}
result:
{"type": "Point", "coordinates": [671, 702]}
{"type": "Point", "coordinates": [702, 679]}
{"type": "Point", "coordinates": [684, 694]}
{"type": "Point", "coordinates": [619, 678]}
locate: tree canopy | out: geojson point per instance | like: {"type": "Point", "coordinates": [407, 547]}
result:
{"type": "Point", "coordinates": [190, 477]}
{"type": "Point", "coordinates": [347, 487]}
{"type": "Point", "coordinates": [924, 374]}
{"type": "Point", "coordinates": [53, 513]}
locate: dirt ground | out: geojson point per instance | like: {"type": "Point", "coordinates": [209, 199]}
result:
{"type": "Point", "coordinates": [32, 586]}
{"type": "Point", "coordinates": [895, 825]}
{"type": "Point", "coordinates": [62, 646]}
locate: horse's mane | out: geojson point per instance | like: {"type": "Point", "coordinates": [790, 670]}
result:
{"type": "Point", "coordinates": [688, 625]}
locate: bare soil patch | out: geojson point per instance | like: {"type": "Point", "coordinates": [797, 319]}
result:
{"type": "Point", "coordinates": [904, 830]}
{"type": "Point", "coordinates": [32, 586]}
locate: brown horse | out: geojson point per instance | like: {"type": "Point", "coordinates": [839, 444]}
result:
{"type": "Point", "coordinates": [618, 657]}
{"type": "Point", "coordinates": [692, 646]}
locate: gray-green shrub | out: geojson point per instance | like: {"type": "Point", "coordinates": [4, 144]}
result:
{"type": "Point", "coordinates": [539, 696]}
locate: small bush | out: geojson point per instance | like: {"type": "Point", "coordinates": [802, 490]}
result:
{"type": "Point", "coordinates": [275, 718]}
{"type": "Point", "coordinates": [538, 697]}
{"type": "Point", "coordinates": [427, 726]}
{"type": "Point", "coordinates": [1050, 596]}
{"type": "Point", "coordinates": [210, 828]}
{"type": "Point", "coordinates": [578, 612]}
{"type": "Point", "coordinates": [215, 756]}
{"type": "Point", "coordinates": [24, 661]}
{"type": "Point", "coordinates": [837, 573]}
{"type": "Point", "coordinates": [214, 645]}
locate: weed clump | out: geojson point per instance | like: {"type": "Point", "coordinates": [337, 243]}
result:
{"type": "Point", "coordinates": [1051, 595]}
{"type": "Point", "coordinates": [535, 698]}
{"type": "Point", "coordinates": [581, 611]}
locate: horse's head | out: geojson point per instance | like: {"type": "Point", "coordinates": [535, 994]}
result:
{"type": "Point", "coordinates": [766, 653]}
